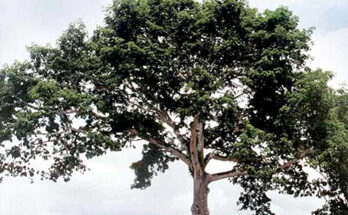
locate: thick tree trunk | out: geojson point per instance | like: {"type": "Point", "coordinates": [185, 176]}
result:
{"type": "Point", "coordinates": [200, 196]}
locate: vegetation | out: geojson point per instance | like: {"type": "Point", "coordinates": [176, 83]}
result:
{"type": "Point", "coordinates": [196, 81]}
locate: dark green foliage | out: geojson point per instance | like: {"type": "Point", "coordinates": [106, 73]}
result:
{"type": "Point", "coordinates": [153, 161]}
{"type": "Point", "coordinates": [158, 64]}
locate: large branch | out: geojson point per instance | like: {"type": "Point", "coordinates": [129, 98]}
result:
{"type": "Point", "coordinates": [193, 147]}
{"type": "Point", "coordinates": [212, 156]}
{"type": "Point", "coordinates": [235, 173]}
{"type": "Point", "coordinates": [200, 141]}
{"type": "Point", "coordinates": [227, 174]}
{"type": "Point", "coordinates": [166, 148]}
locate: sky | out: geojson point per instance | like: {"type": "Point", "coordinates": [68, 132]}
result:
{"type": "Point", "coordinates": [105, 189]}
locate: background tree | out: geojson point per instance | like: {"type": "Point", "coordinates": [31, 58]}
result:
{"type": "Point", "coordinates": [206, 81]}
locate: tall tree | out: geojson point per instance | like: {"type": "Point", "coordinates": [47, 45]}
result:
{"type": "Point", "coordinates": [197, 81]}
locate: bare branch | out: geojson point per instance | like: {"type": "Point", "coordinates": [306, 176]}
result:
{"type": "Point", "coordinates": [227, 174]}
{"type": "Point", "coordinates": [169, 149]}
{"type": "Point", "coordinates": [236, 172]}
{"type": "Point", "coordinates": [163, 116]}
{"type": "Point", "coordinates": [214, 156]}
{"type": "Point", "coordinates": [168, 120]}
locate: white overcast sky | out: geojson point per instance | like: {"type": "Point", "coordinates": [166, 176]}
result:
{"type": "Point", "coordinates": [105, 190]}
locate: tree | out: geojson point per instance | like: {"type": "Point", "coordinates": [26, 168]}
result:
{"type": "Point", "coordinates": [197, 81]}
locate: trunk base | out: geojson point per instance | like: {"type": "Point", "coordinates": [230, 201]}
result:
{"type": "Point", "coordinates": [200, 198]}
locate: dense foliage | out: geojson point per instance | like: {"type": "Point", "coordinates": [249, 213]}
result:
{"type": "Point", "coordinates": [197, 81]}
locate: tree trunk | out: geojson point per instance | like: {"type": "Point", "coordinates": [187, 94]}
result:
{"type": "Point", "coordinates": [200, 196]}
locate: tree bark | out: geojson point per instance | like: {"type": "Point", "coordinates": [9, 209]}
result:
{"type": "Point", "coordinates": [200, 178]}
{"type": "Point", "coordinates": [200, 196]}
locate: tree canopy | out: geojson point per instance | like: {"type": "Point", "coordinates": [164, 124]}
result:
{"type": "Point", "coordinates": [197, 81]}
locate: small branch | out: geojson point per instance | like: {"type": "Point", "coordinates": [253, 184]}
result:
{"type": "Point", "coordinates": [163, 116]}
{"type": "Point", "coordinates": [26, 103]}
{"type": "Point", "coordinates": [290, 163]}
{"type": "Point", "coordinates": [168, 120]}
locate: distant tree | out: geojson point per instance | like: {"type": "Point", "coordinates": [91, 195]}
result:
{"type": "Point", "coordinates": [197, 81]}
